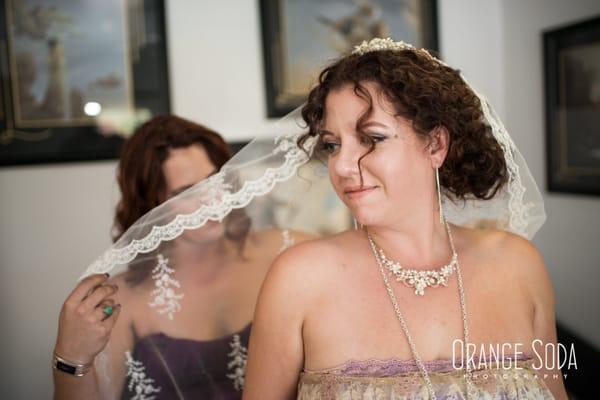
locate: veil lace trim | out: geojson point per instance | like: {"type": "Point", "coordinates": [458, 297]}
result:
{"type": "Point", "coordinates": [223, 202]}
{"type": "Point", "coordinates": [518, 209]}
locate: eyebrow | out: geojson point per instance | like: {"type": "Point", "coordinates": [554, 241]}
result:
{"type": "Point", "coordinates": [365, 125]}
{"type": "Point", "coordinates": [374, 123]}
{"type": "Point", "coordinates": [325, 132]}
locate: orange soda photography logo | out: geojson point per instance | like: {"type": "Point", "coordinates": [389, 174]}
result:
{"type": "Point", "coordinates": [510, 356]}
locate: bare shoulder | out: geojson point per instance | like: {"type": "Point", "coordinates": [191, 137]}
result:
{"type": "Point", "coordinates": [302, 270]}
{"type": "Point", "coordinates": [510, 255]}
{"type": "Point", "coordinates": [508, 249]}
{"type": "Point", "coordinates": [309, 255]}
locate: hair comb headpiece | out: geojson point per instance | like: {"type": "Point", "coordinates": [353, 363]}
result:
{"type": "Point", "coordinates": [379, 44]}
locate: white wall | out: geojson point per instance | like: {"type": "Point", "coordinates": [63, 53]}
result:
{"type": "Point", "coordinates": [471, 39]}
{"type": "Point", "coordinates": [569, 239]}
{"type": "Point", "coordinates": [56, 219]}
{"type": "Point", "coordinates": [215, 55]}
{"type": "Point", "coordinates": [53, 221]}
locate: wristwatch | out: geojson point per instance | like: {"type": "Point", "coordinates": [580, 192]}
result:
{"type": "Point", "coordinates": [70, 367]}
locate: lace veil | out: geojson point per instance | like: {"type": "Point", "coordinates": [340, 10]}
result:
{"type": "Point", "coordinates": [199, 258]}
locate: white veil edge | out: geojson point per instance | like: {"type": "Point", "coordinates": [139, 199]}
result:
{"type": "Point", "coordinates": [518, 207]}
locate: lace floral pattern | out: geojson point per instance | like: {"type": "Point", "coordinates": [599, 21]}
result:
{"type": "Point", "coordinates": [517, 207]}
{"type": "Point", "coordinates": [140, 384]}
{"type": "Point", "coordinates": [238, 357]}
{"type": "Point", "coordinates": [164, 297]}
{"type": "Point", "coordinates": [492, 384]}
{"type": "Point", "coordinates": [519, 214]}
{"type": "Point", "coordinates": [220, 202]}
{"type": "Point", "coordinates": [288, 240]}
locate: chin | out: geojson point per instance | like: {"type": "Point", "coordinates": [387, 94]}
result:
{"type": "Point", "coordinates": [366, 217]}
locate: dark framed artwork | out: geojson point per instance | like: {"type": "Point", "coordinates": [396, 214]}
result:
{"type": "Point", "coordinates": [78, 76]}
{"type": "Point", "coordinates": [572, 81]}
{"type": "Point", "coordinates": [300, 37]}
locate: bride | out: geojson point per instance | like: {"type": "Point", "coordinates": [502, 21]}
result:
{"type": "Point", "coordinates": [376, 312]}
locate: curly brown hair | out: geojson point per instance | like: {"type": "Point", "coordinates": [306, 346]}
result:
{"type": "Point", "coordinates": [140, 175]}
{"type": "Point", "coordinates": [430, 95]}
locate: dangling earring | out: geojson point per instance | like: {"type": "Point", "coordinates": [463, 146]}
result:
{"type": "Point", "coordinates": [439, 193]}
{"type": "Point", "coordinates": [357, 226]}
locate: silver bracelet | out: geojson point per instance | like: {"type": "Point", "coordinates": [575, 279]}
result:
{"type": "Point", "coordinates": [69, 367]}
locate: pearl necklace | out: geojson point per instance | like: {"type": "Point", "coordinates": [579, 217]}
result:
{"type": "Point", "coordinates": [471, 391]}
{"type": "Point", "coordinates": [421, 279]}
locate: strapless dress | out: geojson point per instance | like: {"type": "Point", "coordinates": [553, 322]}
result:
{"type": "Point", "coordinates": [401, 379]}
{"type": "Point", "coordinates": [176, 368]}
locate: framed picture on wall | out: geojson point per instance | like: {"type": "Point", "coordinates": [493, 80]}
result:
{"type": "Point", "coordinates": [572, 81]}
{"type": "Point", "coordinates": [300, 37]}
{"type": "Point", "coordinates": [78, 76]}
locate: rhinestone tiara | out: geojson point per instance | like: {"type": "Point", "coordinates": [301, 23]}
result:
{"type": "Point", "coordinates": [379, 44]}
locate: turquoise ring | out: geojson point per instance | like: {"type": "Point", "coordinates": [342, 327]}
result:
{"type": "Point", "coordinates": [108, 310]}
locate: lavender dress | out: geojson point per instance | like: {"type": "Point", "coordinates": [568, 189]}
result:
{"type": "Point", "coordinates": [400, 379]}
{"type": "Point", "coordinates": [190, 369]}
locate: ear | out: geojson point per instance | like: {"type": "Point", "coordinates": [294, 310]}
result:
{"type": "Point", "coordinates": [438, 145]}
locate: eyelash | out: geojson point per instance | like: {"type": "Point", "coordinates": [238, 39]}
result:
{"type": "Point", "coordinates": [329, 147]}
{"type": "Point", "coordinates": [377, 138]}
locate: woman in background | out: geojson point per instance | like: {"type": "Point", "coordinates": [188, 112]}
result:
{"type": "Point", "coordinates": [179, 329]}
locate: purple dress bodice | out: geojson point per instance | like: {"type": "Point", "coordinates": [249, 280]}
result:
{"type": "Point", "coordinates": [191, 369]}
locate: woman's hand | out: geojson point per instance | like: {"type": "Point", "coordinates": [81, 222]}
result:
{"type": "Point", "coordinates": [84, 325]}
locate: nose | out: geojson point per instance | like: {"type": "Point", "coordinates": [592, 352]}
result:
{"type": "Point", "coordinates": [345, 162]}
